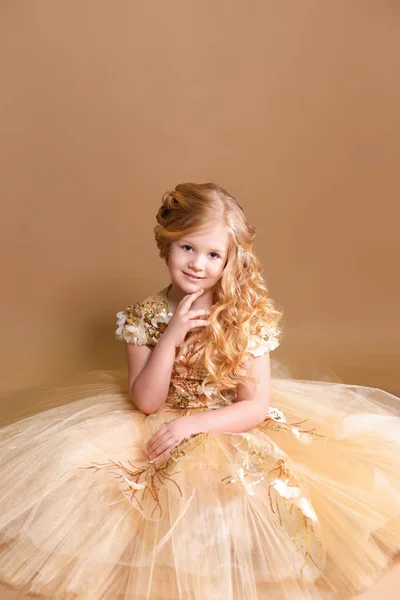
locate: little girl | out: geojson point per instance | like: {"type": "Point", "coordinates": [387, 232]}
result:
{"type": "Point", "coordinates": [206, 479]}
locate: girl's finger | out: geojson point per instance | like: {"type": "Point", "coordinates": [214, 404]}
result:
{"type": "Point", "coordinates": [160, 451]}
{"type": "Point", "coordinates": [199, 312]}
{"type": "Point", "coordinates": [159, 436]}
{"type": "Point", "coordinates": [160, 447]}
{"type": "Point", "coordinates": [188, 300]}
{"type": "Point", "coordinates": [198, 323]}
{"type": "Point", "coordinates": [160, 432]}
{"type": "Point", "coordinates": [167, 453]}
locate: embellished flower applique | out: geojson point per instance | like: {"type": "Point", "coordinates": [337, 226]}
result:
{"type": "Point", "coordinates": [130, 326]}
{"type": "Point", "coordinates": [294, 493]}
{"type": "Point", "coordinates": [240, 478]}
{"type": "Point", "coordinates": [276, 421]}
{"type": "Point", "coordinates": [276, 414]}
{"type": "Point", "coordinates": [142, 323]}
{"type": "Point", "coordinates": [209, 390]}
{"type": "Point", "coordinates": [188, 393]}
{"type": "Point", "coordinates": [265, 340]}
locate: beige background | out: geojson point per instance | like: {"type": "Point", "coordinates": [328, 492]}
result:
{"type": "Point", "coordinates": [292, 106]}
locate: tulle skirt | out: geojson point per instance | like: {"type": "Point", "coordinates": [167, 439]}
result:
{"type": "Point", "coordinates": [304, 506]}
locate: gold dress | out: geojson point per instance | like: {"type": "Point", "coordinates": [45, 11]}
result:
{"type": "Point", "coordinates": [305, 505]}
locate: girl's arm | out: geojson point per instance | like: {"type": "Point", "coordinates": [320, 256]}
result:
{"type": "Point", "coordinates": [150, 374]}
{"type": "Point", "coordinates": [251, 407]}
{"type": "Point", "coordinates": [150, 371]}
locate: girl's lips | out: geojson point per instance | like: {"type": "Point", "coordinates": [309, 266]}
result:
{"type": "Point", "coordinates": [192, 276]}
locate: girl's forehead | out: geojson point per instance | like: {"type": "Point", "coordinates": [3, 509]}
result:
{"type": "Point", "coordinates": [216, 236]}
{"type": "Point", "coordinates": [209, 233]}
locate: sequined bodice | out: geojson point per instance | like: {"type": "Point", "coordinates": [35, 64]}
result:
{"type": "Point", "coordinates": [188, 373]}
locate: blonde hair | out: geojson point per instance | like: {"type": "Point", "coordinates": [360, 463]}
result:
{"type": "Point", "coordinates": [241, 298]}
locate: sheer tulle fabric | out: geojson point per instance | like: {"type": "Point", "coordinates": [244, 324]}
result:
{"type": "Point", "coordinates": [305, 506]}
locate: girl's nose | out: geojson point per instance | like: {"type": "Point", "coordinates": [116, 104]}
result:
{"type": "Point", "coordinates": [196, 264]}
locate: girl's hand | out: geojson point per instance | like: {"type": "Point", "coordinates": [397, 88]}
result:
{"type": "Point", "coordinates": [185, 320]}
{"type": "Point", "coordinates": [171, 435]}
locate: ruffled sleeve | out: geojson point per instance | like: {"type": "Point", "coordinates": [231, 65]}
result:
{"type": "Point", "coordinates": [143, 323]}
{"type": "Point", "coordinates": [265, 338]}
{"type": "Point", "coordinates": [131, 325]}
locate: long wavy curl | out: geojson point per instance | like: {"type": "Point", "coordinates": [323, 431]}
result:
{"type": "Point", "coordinates": [241, 298]}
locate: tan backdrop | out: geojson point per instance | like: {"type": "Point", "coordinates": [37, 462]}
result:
{"type": "Point", "coordinates": [292, 106]}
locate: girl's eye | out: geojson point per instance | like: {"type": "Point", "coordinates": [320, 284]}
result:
{"type": "Point", "coordinates": [188, 246]}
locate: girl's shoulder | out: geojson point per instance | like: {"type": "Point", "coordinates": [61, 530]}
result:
{"type": "Point", "coordinates": [142, 323]}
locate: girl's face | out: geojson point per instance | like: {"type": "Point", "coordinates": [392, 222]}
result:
{"type": "Point", "coordinates": [202, 254]}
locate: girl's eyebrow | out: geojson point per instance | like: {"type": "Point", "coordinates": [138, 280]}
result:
{"type": "Point", "coordinates": [191, 244]}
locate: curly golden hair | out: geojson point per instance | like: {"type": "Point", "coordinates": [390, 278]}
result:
{"type": "Point", "coordinates": [241, 298]}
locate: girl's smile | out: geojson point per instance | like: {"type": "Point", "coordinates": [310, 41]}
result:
{"type": "Point", "coordinates": [193, 277]}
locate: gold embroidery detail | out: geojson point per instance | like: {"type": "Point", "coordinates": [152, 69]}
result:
{"type": "Point", "coordinates": [287, 492]}
{"type": "Point", "coordinates": [183, 403]}
{"type": "Point", "coordinates": [150, 477]}
{"type": "Point", "coordinates": [293, 428]}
